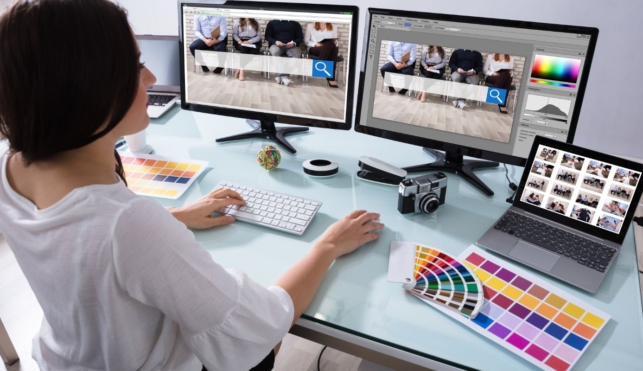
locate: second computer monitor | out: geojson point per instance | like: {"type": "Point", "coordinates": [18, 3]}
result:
{"type": "Point", "coordinates": [472, 86]}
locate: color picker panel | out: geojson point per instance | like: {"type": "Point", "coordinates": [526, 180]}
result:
{"type": "Point", "coordinates": [157, 176]}
{"type": "Point", "coordinates": [560, 69]}
{"type": "Point", "coordinates": [542, 324]}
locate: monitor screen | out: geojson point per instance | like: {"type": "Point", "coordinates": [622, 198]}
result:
{"type": "Point", "coordinates": [579, 187]}
{"type": "Point", "coordinates": [448, 79]}
{"type": "Point", "coordinates": [159, 55]}
{"type": "Point", "coordinates": [268, 58]}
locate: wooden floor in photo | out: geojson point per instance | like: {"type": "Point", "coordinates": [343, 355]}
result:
{"type": "Point", "coordinates": [481, 122]}
{"type": "Point", "coordinates": [313, 98]}
{"type": "Point", "coordinates": [21, 315]}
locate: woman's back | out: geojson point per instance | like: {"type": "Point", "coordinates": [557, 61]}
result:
{"type": "Point", "coordinates": [85, 303]}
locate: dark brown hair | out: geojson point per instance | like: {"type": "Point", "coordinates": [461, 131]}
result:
{"type": "Point", "coordinates": [252, 21]}
{"type": "Point", "coordinates": [496, 57]}
{"type": "Point", "coordinates": [438, 48]}
{"type": "Point", "coordinates": [66, 68]}
{"type": "Point", "coordinates": [329, 26]}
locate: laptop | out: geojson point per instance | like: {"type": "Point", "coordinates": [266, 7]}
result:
{"type": "Point", "coordinates": [570, 214]}
{"type": "Point", "coordinates": [161, 56]}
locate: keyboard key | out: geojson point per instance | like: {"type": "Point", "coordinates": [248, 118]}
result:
{"type": "Point", "coordinates": [297, 221]}
{"type": "Point", "coordinates": [266, 220]}
{"type": "Point", "coordinates": [276, 222]}
{"type": "Point", "coordinates": [303, 217]}
{"type": "Point", "coordinates": [263, 213]}
{"type": "Point", "coordinates": [308, 207]}
{"type": "Point", "coordinates": [308, 212]}
{"type": "Point", "coordinates": [243, 215]}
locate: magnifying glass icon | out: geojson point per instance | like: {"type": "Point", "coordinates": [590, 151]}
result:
{"type": "Point", "coordinates": [321, 67]}
{"type": "Point", "coordinates": [496, 95]}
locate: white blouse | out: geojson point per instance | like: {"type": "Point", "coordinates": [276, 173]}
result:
{"type": "Point", "coordinates": [313, 36]}
{"type": "Point", "coordinates": [491, 66]}
{"type": "Point", "coordinates": [125, 286]}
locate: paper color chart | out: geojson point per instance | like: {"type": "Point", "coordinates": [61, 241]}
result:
{"type": "Point", "coordinates": [441, 279]}
{"type": "Point", "coordinates": [531, 318]}
{"type": "Point", "coordinates": [556, 68]}
{"type": "Point", "coordinates": [157, 176]}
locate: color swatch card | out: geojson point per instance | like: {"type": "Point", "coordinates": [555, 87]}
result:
{"type": "Point", "coordinates": [158, 176]}
{"type": "Point", "coordinates": [531, 318]}
{"type": "Point", "coordinates": [436, 278]}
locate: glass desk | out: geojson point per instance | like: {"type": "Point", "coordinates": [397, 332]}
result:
{"type": "Point", "coordinates": [355, 303]}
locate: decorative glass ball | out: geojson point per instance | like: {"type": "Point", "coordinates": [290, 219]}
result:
{"type": "Point", "coordinates": [269, 157]}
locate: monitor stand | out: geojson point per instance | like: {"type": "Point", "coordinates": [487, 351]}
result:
{"type": "Point", "coordinates": [454, 162]}
{"type": "Point", "coordinates": [267, 130]}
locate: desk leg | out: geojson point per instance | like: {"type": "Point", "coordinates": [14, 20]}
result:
{"type": "Point", "coordinates": [7, 351]}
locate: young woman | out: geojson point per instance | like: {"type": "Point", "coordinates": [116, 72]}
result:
{"type": "Point", "coordinates": [499, 71]}
{"type": "Point", "coordinates": [321, 41]}
{"type": "Point", "coordinates": [122, 282]}
{"type": "Point", "coordinates": [432, 65]}
{"type": "Point", "coordinates": [246, 38]}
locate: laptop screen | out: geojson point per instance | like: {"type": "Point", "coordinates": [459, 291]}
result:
{"type": "Point", "coordinates": [161, 56]}
{"type": "Point", "coordinates": [580, 187]}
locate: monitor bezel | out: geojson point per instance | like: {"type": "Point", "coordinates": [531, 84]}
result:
{"type": "Point", "coordinates": [466, 150]}
{"type": "Point", "coordinates": [568, 221]}
{"type": "Point", "coordinates": [271, 117]}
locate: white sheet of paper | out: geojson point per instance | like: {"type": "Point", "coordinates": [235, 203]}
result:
{"type": "Point", "coordinates": [253, 46]}
{"type": "Point", "coordinates": [401, 262]}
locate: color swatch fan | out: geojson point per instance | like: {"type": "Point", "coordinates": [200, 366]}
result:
{"type": "Point", "coordinates": [440, 279]}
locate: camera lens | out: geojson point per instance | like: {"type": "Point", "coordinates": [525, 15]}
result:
{"type": "Point", "coordinates": [429, 203]}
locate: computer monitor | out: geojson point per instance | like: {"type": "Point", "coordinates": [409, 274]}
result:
{"type": "Point", "coordinates": [159, 55]}
{"type": "Point", "coordinates": [441, 81]}
{"type": "Point", "coordinates": [269, 62]}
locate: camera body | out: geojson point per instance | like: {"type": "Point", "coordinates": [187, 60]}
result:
{"type": "Point", "coordinates": [423, 194]}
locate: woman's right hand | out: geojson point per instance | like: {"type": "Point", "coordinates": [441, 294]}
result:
{"type": "Point", "coordinates": [318, 45]}
{"type": "Point", "coordinates": [351, 232]}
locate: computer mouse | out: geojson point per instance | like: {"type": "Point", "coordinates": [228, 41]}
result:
{"type": "Point", "coordinates": [375, 230]}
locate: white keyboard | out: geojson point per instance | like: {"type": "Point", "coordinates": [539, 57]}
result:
{"type": "Point", "coordinates": [274, 210]}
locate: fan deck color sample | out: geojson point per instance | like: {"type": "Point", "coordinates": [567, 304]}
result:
{"type": "Point", "coordinates": [440, 278]}
{"type": "Point", "coordinates": [531, 318]}
{"type": "Point", "coordinates": [157, 176]}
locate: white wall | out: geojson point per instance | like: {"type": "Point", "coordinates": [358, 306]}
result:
{"type": "Point", "coordinates": [612, 114]}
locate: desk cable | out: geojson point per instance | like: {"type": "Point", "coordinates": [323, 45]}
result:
{"type": "Point", "coordinates": [512, 185]}
{"type": "Point", "coordinates": [319, 358]}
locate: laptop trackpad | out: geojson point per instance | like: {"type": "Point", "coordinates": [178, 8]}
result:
{"type": "Point", "coordinates": [534, 256]}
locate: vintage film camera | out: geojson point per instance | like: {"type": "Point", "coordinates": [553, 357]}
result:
{"type": "Point", "coordinates": [423, 194]}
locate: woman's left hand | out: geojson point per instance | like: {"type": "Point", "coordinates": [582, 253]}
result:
{"type": "Point", "coordinates": [198, 215]}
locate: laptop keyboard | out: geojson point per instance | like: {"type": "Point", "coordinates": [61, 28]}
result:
{"type": "Point", "coordinates": [159, 100]}
{"type": "Point", "coordinates": [274, 210]}
{"type": "Point", "coordinates": [586, 252]}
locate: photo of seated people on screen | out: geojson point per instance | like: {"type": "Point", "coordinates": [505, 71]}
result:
{"type": "Point", "coordinates": [572, 161]}
{"type": "Point", "coordinates": [610, 223]}
{"type": "Point", "coordinates": [616, 208]}
{"type": "Point", "coordinates": [618, 191]}
{"type": "Point", "coordinates": [567, 176]}
{"type": "Point", "coordinates": [563, 191]}
{"type": "Point", "coordinates": [542, 169]}
{"type": "Point", "coordinates": [599, 169]}
{"type": "Point", "coordinates": [537, 183]}
{"type": "Point", "coordinates": [601, 199]}
{"type": "Point", "coordinates": [557, 206]}
{"type": "Point", "coordinates": [588, 199]}
{"type": "Point", "coordinates": [447, 88]}
{"type": "Point", "coordinates": [627, 177]}
{"type": "Point", "coordinates": [291, 63]}
{"type": "Point", "coordinates": [582, 213]}
{"type": "Point", "coordinates": [547, 154]}
{"type": "Point", "coordinates": [534, 198]}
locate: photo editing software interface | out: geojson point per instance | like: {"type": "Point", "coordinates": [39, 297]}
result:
{"type": "Point", "coordinates": [268, 61]}
{"type": "Point", "coordinates": [447, 81]}
{"type": "Point", "coordinates": [581, 188]}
